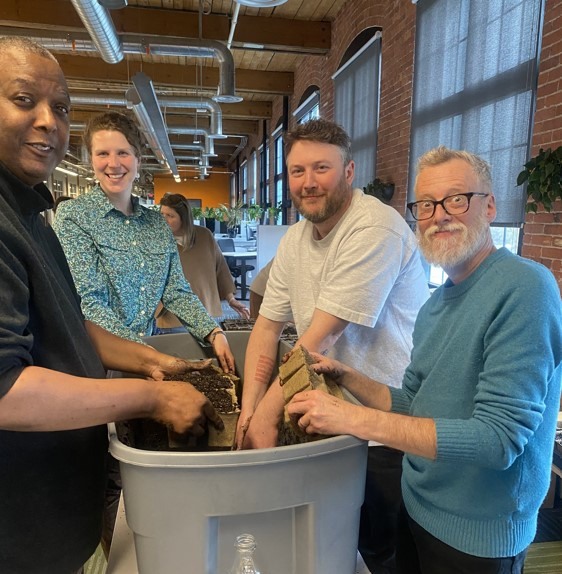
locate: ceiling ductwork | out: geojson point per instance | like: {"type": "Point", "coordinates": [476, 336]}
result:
{"type": "Point", "coordinates": [146, 108]}
{"type": "Point", "coordinates": [99, 24]}
{"type": "Point", "coordinates": [261, 3]}
{"type": "Point", "coordinates": [156, 45]}
{"type": "Point", "coordinates": [207, 104]}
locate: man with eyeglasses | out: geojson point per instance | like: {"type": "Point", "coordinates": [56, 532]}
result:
{"type": "Point", "coordinates": [476, 414]}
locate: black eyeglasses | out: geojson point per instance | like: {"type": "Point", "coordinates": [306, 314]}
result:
{"type": "Point", "coordinates": [453, 205]}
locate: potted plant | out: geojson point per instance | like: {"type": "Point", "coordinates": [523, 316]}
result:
{"type": "Point", "coordinates": [210, 215]}
{"type": "Point", "coordinates": [232, 215]}
{"type": "Point", "coordinates": [380, 189]}
{"type": "Point", "coordinates": [197, 213]}
{"type": "Point", "coordinates": [274, 211]}
{"type": "Point", "coordinates": [255, 212]}
{"type": "Point", "coordinates": [543, 175]}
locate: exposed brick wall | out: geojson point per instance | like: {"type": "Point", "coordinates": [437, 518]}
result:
{"type": "Point", "coordinates": [543, 231]}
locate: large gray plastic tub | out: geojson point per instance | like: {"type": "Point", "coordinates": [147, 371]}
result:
{"type": "Point", "coordinates": [301, 502]}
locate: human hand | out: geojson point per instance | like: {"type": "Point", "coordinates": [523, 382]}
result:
{"type": "Point", "coordinates": [184, 409]}
{"type": "Point", "coordinates": [242, 428]}
{"type": "Point", "coordinates": [168, 366]}
{"type": "Point", "coordinates": [262, 427]}
{"type": "Point", "coordinates": [222, 351]}
{"type": "Point", "coordinates": [240, 308]}
{"type": "Point", "coordinates": [317, 412]}
{"type": "Point", "coordinates": [330, 367]}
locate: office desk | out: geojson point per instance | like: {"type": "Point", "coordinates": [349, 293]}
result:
{"type": "Point", "coordinates": [241, 258]}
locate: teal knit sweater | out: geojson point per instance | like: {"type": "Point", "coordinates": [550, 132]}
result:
{"type": "Point", "coordinates": [486, 366]}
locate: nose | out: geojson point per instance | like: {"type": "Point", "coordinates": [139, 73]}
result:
{"type": "Point", "coordinates": [113, 160]}
{"type": "Point", "coordinates": [440, 215]}
{"type": "Point", "coordinates": [309, 180]}
{"type": "Point", "coordinates": [45, 117]}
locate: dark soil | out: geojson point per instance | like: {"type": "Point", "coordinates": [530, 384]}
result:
{"type": "Point", "coordinates": [215, 385]}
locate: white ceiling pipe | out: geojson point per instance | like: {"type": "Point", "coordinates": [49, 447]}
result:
{"type": "Point", "coordinates": [144, 90]}
{"type": "Point", "coordinates": [99, 24]}
{"type": "Point", "coordinates": [158, 45]}
{"type": "Point", "coordinates": [164, 101]}
{"type": "Point", "coordinates": [209, 143]}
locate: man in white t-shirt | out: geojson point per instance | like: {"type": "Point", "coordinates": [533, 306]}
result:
{"type": "Point", "coordinates": [350, 277]}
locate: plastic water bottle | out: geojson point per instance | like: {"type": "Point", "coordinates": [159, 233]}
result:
{"type": "Point", "coordinates": [244, 563]}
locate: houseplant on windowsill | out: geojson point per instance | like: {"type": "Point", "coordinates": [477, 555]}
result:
{"type": "Point", "coordinates": [274, 211]}
{"type": "Point", "coordinates": [543, 175]}
{"type": "Point", "coordinates": [380, 189]}
{"type": "Point", "coordinates": [255, 212]}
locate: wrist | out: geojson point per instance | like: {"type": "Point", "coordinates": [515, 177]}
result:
{"type": "Point", "coordinates": [211, 338]}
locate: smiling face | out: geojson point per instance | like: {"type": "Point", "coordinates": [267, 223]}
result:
{"type": "Point", "coordinates": [319, 182]}
{"type": "Point", "coordinates": [34, 108]}
{"type": "Point", "coordinates": [114, 161]}
{"type": "Point", "coordinates": [172, 219]}
{"type": "Point", "coordinates": [457, 243]}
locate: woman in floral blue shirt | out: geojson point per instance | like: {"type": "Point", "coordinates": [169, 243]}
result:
{"type": "Point", "coordinates": [122, 255]}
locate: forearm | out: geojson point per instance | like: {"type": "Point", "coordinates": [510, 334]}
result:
{"type": "Point", "coordinates": [46, 400]}
{"type": "Point", "coordinates": [413, 435]}
{"type": "Point", "coordinates": [122, 355]}
{"type": "Point", "coordinates": [261, 357]}
{"type": "Point", "coordinates": [324, 330]}
{"type": "Point", "coordinates": [368, 391]}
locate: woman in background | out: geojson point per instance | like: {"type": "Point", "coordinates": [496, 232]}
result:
{"type": "Point", "coordinates": [202, 261]}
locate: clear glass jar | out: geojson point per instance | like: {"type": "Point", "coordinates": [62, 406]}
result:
{"type": "Point", "coordinates": [244, 562]}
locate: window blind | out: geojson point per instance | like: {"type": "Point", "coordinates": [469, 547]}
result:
{"type": "Point", "coordinates": [475, 77]}
{"type": "Point", "coordinates": [356, 101]}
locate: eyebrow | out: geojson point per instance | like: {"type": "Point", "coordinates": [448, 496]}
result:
{"type": "Point", "coordinates": [30, 83]}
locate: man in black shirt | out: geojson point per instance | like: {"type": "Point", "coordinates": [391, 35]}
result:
{"type": "Point", "coordinates": [54, 398]}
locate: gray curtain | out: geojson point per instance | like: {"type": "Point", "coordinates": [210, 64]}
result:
{"type": "Point", "coordinates": [356, 107]}
{"type": "Point", "coordinates": [475, 78]}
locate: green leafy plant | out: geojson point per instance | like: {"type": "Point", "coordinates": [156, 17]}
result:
{"type": "Point", "coordinates": [232, 215]}
{"type": "Point", "coordinates": [543, 175]}
{"type": "Point", "coordinates": [274, 211]}
{"type": "Point", "coordinates": [197, 213]}
{"type": "Point", "coordinates": [380, 189]}
{"type": "Point", "coordinates": [255, 211]}
{"type": "Point", "coordinates": [210, 213]}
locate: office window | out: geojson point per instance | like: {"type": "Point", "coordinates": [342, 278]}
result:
{"type": "Point", "coordinates": [279, 162]}
{"type": "Point", "coordinates": [309, 108]}
{"type": "Point", "coordinates": [356, 102]}
{"type": "Point", "coordinates": [244, 181]}
{"type": "Point", "coordinates": [264, 170]}
{"type": "Point", "coordinates": [475, 77]}
{"type": "Point", "coordinates": [252, 186]}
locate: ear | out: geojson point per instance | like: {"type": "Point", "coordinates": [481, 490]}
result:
{"type": "Point", "coordinates": [349, 172]}
{"type": "Point", "coordinates": [490, 208]}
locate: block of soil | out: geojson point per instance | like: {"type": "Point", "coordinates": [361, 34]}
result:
{"type": "Point", "coordinates": [221, 390]}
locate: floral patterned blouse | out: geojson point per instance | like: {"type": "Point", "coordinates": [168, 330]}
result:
{"type": "Point", "coordinates": [123, 265]}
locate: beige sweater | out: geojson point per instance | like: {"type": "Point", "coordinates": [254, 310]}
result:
{"type": "Point", "coordinates": [207, 272]}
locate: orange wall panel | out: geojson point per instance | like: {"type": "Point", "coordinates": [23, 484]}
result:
{"type": "Point", "coordinates": [211, 191]}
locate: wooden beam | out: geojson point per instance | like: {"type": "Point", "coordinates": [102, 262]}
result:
{"type": "Point", "coordinates": [270, 32]}
{"type": "Point", "coordinates": [95, 69]}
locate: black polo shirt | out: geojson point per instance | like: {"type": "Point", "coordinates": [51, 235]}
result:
{"type": "Point", "coordinates": [51, 483]}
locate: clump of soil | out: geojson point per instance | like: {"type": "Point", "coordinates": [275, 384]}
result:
{"type": "Point", "coordinates": [218, 386]}
{"type": "Point", "coordinates": [221, 390]}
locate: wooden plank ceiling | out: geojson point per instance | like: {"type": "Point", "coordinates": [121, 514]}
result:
{"type": "Point", "coordinates": [267, 46]}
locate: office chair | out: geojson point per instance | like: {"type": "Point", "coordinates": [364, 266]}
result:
{"type": "Point", "coordinates": [235, 270]}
